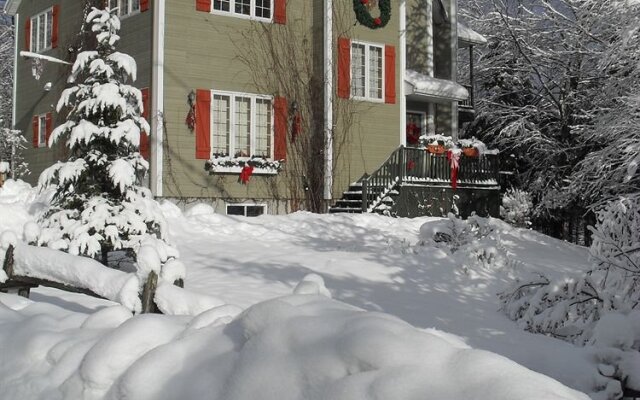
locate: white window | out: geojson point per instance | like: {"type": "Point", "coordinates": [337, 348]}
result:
{"type": "Point", "coordinates": [123, 8]}
{"type": "Point", "coordinates": [41, 30]}
{"type": "Point", "coordinates": [367, 71]}
{"type": "Point", "coordinates": [259, 9]}
{"type": "Point", "coordinates": [241, 125]}
{"type": "Point", "coordinates": [247, 210]}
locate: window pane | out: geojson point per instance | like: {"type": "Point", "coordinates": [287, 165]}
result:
{"type": "Point", "coordinates": [263, 8]}
{"type": "Point", "coordinates": [235, 210]}
{"type": "Point", "coordinates": [135, 5]}
{"type": "Point", "coordinates": [47, 40]}
{"type": "Point", "coordinates": [42, 131]}
{"type": "Point", "coordinates": [357, 70]}
{"type": "Point", "coordinates": [41, 31]}
{"type": "Point", "coordinates": [263, 128]}
{"type": "Point", "coordinates": [124, 7]}
{"type": "Point", "coordinates": [34, 34]}
{"type": "Point", "coordinates": [254, 211]}
{"type": "Point", "coordinates": [243, 7]}
{"type": "Point", "coordinates": [222, 5]}
{"type": "Point", "coordinates": [243, 126]}
{"type": "Point", "coordinates": [221, 122]}
{"type": "Point", "coordinates": [375, 72]}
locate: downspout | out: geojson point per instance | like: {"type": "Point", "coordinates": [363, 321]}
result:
{"type": "Point", "coordinates": [157, 99]}
{"type": "Point", "coordinates": [403, 68]}
{"type": "Point", "coordinates": [16, 22]}
{"type": "Point", "coordinates": [328, 100]}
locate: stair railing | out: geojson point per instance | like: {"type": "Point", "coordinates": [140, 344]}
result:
{"type": "Point", "coordinates": [378, 184]}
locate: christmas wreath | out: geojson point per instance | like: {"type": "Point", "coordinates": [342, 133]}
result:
{"type": "Point", "coordinates": [364, 17]}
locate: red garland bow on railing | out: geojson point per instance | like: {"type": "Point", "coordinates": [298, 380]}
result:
{"type": "Point", "coordinates": [454, 162]}
{"type": "Point", "coordinates": [245, 174]}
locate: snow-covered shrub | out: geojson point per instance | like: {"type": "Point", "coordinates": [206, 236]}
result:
{"type": "Point", "coordinates": [99, 205]}
{"type": "Point", "coordinates": [616, 242]}
{"type": "Point", "coordinates": [579, 308]}
{"type": "Point", "coordinates": [516, 208]}
{"type": "Point", "coordinates": [455, 232]}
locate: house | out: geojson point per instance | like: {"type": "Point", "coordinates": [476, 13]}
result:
{"type": "Point", "coordinates": [268, 106]}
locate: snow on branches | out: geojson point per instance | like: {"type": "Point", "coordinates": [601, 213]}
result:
{"type": "Point", "coordinates": [98, 204]}
{"type": "Point", "coordinates": [594, 309]}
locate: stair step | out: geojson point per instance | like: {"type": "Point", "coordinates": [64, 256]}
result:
{"type": "Point", "coordinates": [346, 203]}
{"type": "Point", "coordinates": [334, 210]}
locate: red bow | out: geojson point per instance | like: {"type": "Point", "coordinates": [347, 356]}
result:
{"type": "Point", "coordinates": [454, 159]}
{"type": "Point", "coordinates": [245, 174]}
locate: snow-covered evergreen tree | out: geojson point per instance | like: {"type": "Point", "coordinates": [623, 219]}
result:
{"type": "Point", "coordinates": [98, 204]}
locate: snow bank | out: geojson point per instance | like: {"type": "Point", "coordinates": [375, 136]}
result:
{"type": "Point", "coordinates": [295, 347]}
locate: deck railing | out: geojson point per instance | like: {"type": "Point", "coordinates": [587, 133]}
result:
{"type": "Point", "coordinates": [415, 165]}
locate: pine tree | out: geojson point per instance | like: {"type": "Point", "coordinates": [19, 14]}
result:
{"type": "Point", "coordinates": [98, 205]}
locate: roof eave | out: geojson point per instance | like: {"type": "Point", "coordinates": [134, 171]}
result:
{"type": "Point", "coordinates": [11, 7]}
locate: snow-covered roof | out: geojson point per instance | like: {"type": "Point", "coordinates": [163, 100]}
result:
{"type": "Point", "coordinates": [420, 85]}
{"type": "Point", "coordinates": [468, 35]}
{"type": "Point", "coordinates": [11, 6]}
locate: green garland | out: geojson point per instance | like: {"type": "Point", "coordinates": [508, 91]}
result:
{"type": "Point", "coordinates": [365, 18]}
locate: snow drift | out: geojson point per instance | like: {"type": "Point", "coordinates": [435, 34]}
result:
{"type": "Point", "coordinates": [294, 347]}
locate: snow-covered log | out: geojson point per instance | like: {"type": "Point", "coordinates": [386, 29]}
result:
{"type": "Point", "coordinates": [79, 272]}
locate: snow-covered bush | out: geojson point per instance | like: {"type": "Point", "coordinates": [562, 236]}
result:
{"type": "Point", "coordinates": [98, 205]}
{"type": "Point", "coordinates": [577, 308]}
{"type": "Point", "coordinates": [516, 208]}
{"type": "Point", "coordinates": [455, 232]}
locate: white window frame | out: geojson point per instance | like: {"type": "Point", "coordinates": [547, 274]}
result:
{"type": "Point", "coordinates": [252, 15]}
{"type": "Point", "coordinates": [34, 44]}
{"type": "Point", "coordinates": [126, 13]}
{"type": "Point", "coordinates": [245, 205]}
{"type": "Point", "coordinates": [367, 71]}
{"type": "Point", "coordinates": [232, 122]}
{"type": "Point", "coordinates": [42, 130]}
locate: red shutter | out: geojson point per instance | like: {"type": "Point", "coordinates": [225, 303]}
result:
{"type": "Point", "coordinates": [54, 26]}
{"type": "Point", "coordinates": [144, 136]}
{"type": "Point", "coordinates": [280, 128]}
{"type": "Point", "coordinates": [144, 5]}
{"type": "Point", "coordinates": [36, 135]}
{"type": "Point", "coordinates": [203, 124]}
{"type": "Point", "coordinates": [203, 5]}
{"type": "Point", "coordinates": [27, 34]}
{"type": "Point", "coordinates": [280, 12]}
{"type": "Point", "coordinates": [344, 68]}
{"type": "Point", "coordinates": [48, 128]}
{"type": "Point", "coordinates": [390, 75]}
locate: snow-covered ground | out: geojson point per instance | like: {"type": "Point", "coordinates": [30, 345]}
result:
{"type": "Point", "coordinates": [306, 345]}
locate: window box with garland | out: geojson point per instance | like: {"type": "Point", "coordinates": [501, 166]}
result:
{"type": "Point", "coordinates": [235, 131]}
{"type": "Point", "coordinates": [259, 10]}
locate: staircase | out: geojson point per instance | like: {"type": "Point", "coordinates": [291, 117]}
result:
{"type": "Point", "coordinates": [351, 201]}
{"type": "Point", "coordinates": [375, 192]}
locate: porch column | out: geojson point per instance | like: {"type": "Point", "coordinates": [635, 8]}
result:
{"type": "Point", "coordinates": [429, 68]}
